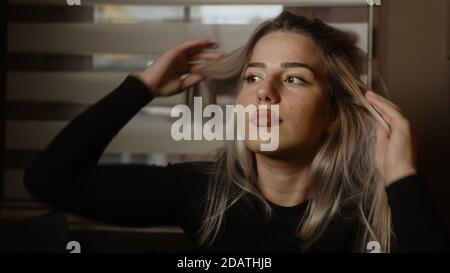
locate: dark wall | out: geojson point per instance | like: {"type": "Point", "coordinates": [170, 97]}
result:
{"type": "Point", "coordinates": [413, 52]}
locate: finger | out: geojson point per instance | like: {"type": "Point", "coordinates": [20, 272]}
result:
{"type": "Point", "coordinates": [371, 93]}
{"type": "Point", "coordinates": [381, 113]}
{"type": "Point", "coordinates": [193, 43]}
{"type": "Point", "coordinates": [381, 144]}
{"type": "Point", "coordinates": [382, 133]}
{"type": "Point", "coordinates": [191, 80]}
{"type": "Point", "coordinates": [378, 116]}
{"type": "Point", "coordinates": [197, 49]}
{"type": "Point", "coordinates": [385, 100]}
{"type": "Point", "coordinates": [193, 68]}
{"type": "Point", "coordinates": [390, 110]}
{"type": "Point", "coordinates": [194, 46]}
{"type": "Point", "coordinates": [196, 68]}
{"type": "Point", "coordinates": [206, 56]}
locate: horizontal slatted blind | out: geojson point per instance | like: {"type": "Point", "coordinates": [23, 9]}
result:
{"type": "Point", "coordinates": [61, 64]}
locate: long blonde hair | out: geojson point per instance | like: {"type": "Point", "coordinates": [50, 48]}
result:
{"type": "Point", "coordinates": [343, 171]}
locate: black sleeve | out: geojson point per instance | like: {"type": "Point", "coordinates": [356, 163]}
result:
{"type": "Point", "coordinates": [416, 224]}
{"type": "Point", "coordinates": [66, 174]}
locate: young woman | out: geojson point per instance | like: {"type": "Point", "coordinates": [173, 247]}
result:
{"type": "Point", "coordinates": [338, 180]}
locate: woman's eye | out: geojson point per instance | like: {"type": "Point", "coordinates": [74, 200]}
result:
{"type": "Point", "coordinates": [295, 80]}
{"type": "Point", "coordinates": [250, 78]}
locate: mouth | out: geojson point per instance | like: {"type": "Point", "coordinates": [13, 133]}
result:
{"type": "Point", "coordinates": [265, 118]}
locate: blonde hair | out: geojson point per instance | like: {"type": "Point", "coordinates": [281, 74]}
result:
{"type": "Point", "coordinates": [343, 172]}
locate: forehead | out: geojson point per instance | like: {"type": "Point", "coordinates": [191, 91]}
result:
{"type": "Point", "coordinates": [278, 47]}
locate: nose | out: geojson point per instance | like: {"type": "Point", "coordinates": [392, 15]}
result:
{"type": "Point", "coordinates": [268, 92]}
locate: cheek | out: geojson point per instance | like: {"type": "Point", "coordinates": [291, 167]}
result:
{"type": "Point", "coordinates": [245, 98]}
{"type": "Point", "coordinates": [307, 113]}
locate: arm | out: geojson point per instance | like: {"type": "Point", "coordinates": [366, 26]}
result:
{"type": "Point", "coordinates": [66, 174]}
{"type": "Point", "coordinates": [416, 224]}
{"type": "Point", "coordinates": [415, 221]}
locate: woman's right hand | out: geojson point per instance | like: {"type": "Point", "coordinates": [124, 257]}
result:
{"type": "Point", "coordinates": [163, 77]}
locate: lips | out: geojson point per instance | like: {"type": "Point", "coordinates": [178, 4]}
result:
{"type": "Point", "coordinates": [263, 118]}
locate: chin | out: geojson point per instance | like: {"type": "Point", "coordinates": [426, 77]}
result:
{"type": "Point", "coordinates": [282, 149]}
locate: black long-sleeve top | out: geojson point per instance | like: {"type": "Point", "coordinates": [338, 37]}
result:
{"type": "Point", "coordinates": [67, 175]}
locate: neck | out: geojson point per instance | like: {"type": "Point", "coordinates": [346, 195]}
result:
{"type": "Point", "coordinates": [282, 181]}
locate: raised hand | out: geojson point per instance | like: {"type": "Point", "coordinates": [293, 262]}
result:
{"type": "Point", "coordinates": [164, 76]}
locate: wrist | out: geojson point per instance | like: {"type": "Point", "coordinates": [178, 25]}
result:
{"type": "Point", "coordinates": [151, 86]}
{"type": "Point", "coordinates": [399, 174]}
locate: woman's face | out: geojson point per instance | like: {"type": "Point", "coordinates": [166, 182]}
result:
{"type": "Point", "coordinates": [286, 68]}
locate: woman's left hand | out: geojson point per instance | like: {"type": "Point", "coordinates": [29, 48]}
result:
{"type": "Point", "coordinates": [395, 151]}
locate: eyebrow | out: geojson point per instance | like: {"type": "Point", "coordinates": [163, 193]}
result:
{"type": "Point", "coordinates": [284, 65]}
